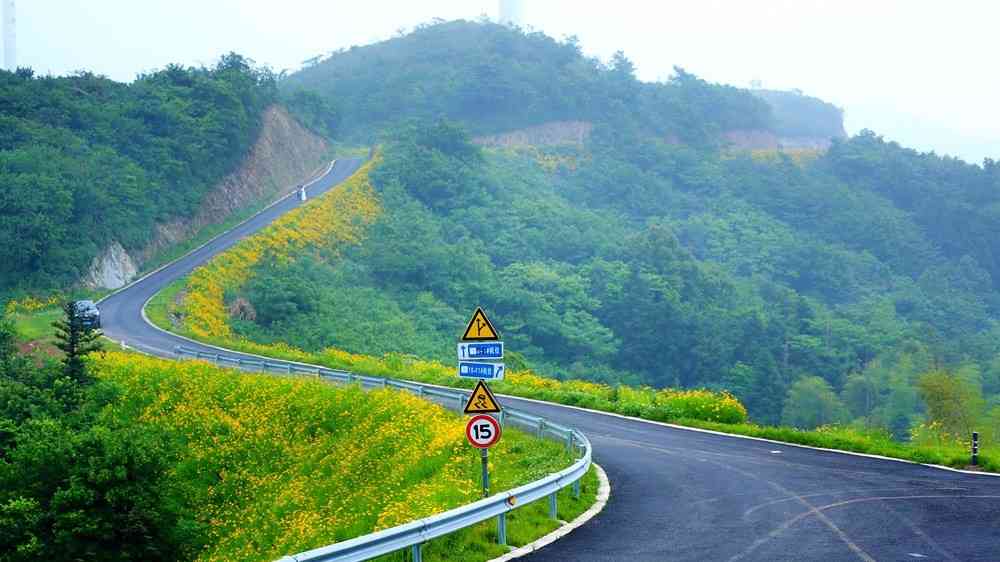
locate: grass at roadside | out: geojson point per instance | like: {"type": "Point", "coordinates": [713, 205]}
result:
{"type": "Point", "coordinates": [267, 466]}
{"type": "Point", "coordinates": [872, 442]}
{"type": "Point", "coordinates": [37, 326]}
{"type": "Point", "coordinates": [161, 307]}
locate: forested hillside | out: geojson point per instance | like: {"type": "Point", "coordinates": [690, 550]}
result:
{"type": "Point", "coordinates": [84, 159]}
{"type": "Point", "coordinates": [819, 288]}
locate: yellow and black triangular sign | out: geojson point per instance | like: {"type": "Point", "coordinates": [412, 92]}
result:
{"type": "Point", "coordinates": [482, 401]}
{"type": "Point", "coordinates": [480, 328]}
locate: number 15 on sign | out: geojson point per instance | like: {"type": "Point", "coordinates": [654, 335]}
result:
{"type": "Point", "coordinates": [482, 431]}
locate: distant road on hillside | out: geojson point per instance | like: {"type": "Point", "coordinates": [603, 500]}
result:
{"type": "Point", "coordinates": [686, 495]}
{"type": "Point", "coordinates": [121, 313]}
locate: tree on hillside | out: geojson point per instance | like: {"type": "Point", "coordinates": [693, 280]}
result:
{"type": "Point", "coordinates": [76, 340]}
{"type": "Point", "coordinates": [860, 395]}
{"type": "Point", "coordinates": [812, 403]}
{"type": "Point", "coordinates": [951, 401]}
{"type": "Point", "coordinates": [7, 341]}
{"type": "Point", "coordinates": [437, 163]}
{"type": "Point", "coordinates": [315, 111]}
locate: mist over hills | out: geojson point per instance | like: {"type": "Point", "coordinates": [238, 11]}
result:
{"type": "Point", "coordinates": [494, 78]}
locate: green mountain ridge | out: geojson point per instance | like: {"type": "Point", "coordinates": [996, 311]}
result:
{"type": "Point", "coordinates": [493, 78]}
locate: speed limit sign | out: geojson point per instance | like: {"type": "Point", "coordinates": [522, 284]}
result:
{"type": "Point", "coordinates": [482, 431]}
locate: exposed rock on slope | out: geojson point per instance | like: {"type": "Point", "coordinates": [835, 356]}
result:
{"type": "Point", "coordinates": [285, 155]}
{"type": "Point", "coordinates": [546, 134]}
{"type": "Point", "coordinates": [112, 269]}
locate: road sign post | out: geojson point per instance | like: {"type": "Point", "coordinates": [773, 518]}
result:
{"type": "Point", "coordinates": [483, 432]}
{"type": "Point", "coordinates": [482, 401]}
{"type": "Point", "coordinates": [484, 454]}
{"type": "Point", "coordinates": [481, 371]}
{"type": "Point", "coordinates": [480, 328]}
{"type": "Point", "coordinates": [478, 352]}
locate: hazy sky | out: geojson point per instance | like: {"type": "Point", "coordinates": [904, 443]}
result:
{"type": "Point", "coordinates": [922, 72]}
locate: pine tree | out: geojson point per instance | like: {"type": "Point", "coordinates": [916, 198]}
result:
{"type": "Point", "coordinates": [75, 340]}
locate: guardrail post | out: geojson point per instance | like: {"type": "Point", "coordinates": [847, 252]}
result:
{"type": "Point", "coordinates": [541, 427]}
{"type": "Point", "coordinates": [385, 382]}
{"type": "Point", "coordinates": [418, 555]}
{"type": "Point", "coordinates": [502, 529]}
{"type": "Point", "coordinates": [569, 442]}
{"type": "Point", "coordinates": [576, 488]}
{"type": "Point", "coordinates": [553, 506]}
{"type": "Point", "coordinates": [461, 402]}
{"type": "Point", "coordinates": [420, 391]}
{"type": "Point", "coordinates": [288, 369]}
{"type": "Point", "coordinates": [218, 359]}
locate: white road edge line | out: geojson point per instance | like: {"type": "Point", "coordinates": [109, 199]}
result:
{"type": "Point", "coordinates": [738, 436]}
{"type": "Point", "coordinates": [603, 493]}
{"type": "Point", "coordinates": [613, 414]}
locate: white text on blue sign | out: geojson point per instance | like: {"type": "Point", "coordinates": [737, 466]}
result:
{"type": "Point", "coordinates": [483, 371]}
{"type": "Point", "coordinates": [481, 350]}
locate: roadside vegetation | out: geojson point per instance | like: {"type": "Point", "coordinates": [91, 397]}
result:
{"type": "Point", "coordinates": [134, 458]}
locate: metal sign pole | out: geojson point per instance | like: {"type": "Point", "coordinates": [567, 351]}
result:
{"type": "Point", "coordinates": [484, 454]}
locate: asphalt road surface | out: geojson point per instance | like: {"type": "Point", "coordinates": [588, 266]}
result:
{"type": "Point", "coordinates": [686, 495]}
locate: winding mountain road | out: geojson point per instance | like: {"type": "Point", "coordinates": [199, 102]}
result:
{"type": "Point", "coordinates": [686, 495]}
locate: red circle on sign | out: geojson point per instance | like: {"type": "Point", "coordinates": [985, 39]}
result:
{"type": "Point", "coordinates": [482, 431]}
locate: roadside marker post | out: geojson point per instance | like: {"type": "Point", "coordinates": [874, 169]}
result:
{"type": "Point", "coordinates": [975, 448]}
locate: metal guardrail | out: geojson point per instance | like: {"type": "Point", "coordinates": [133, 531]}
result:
{"type": "Point", "coordinates": [414, 534]}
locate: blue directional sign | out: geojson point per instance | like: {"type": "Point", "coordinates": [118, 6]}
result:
{"type": "Point", "coordinates": [483, 350]}
{"type": "Point", "coordinates": [482, 371]}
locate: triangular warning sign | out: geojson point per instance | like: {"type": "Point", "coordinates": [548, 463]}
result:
{"type": "Point", "coordinates": [480, 328]}
{"type": "Point", "coordinates": [482, 401]}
